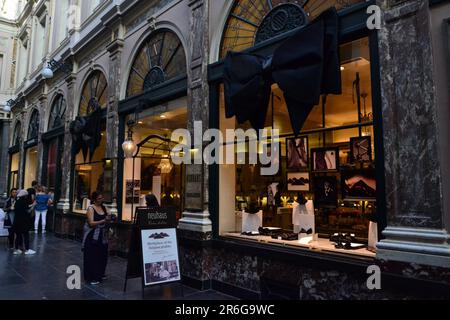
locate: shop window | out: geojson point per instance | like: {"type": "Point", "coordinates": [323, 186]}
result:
{"type": "Point", "coordinates": [31, 162]}
{"type": "Point", "coordinates": [90, 177]}
{"type": "Point", "coordinates": [92, 171]}
{"type": "Point", "coordinates": [332, 164]}
{"type": "Point", "coordinates": [14, 174]}
{"type": "Point", "coordinates": [248, 25]}
{"type": "Point", "coordinates": [15, 141]}
{"type": "Point", "coordinates": [152, 171]}
{"type": "Point", "coordinates": [160, 59]}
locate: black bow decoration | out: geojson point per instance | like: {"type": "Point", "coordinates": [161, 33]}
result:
{"type": "Point", "coordinates": [304, 66]}
{"type": "Point", "coordinates": [87, 131]}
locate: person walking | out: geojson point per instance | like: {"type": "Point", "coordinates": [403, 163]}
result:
{"type": "Point", "coordinates": [22, 223]}
{"type": "Point", "coordinates": [9, 210]}
{"type": "Point", "coordinates": [95, 241]}
{"type": "Point", "coordinates": [43, 201]}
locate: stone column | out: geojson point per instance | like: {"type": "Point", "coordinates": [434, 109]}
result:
{"type": "Point", "coordinates": [196, 217]}
{"type": "Point", "coordinates": [415, 232]}
{"type": "Point", "coordinates": [112, 124]}
{"type": "Point", "coordinates": [66, 159]}
{"type": "Point", "coordinates": [42, 124]}
{"type": "Point", "coordinates": [4, 156]}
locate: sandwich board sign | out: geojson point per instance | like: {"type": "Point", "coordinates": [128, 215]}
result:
{"type": "Point", "coordinates": [153, 254]}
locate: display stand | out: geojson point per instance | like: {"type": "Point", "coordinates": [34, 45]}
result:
{"type": "Point", "coordinates": [156, 229]}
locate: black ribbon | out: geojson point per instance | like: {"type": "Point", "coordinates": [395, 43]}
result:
{"type": "Point", "coordinates": [86, 131]}
{"type": "Point", "coordinates": [304, 66]}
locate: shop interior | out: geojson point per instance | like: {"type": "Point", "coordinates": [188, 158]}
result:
{"type": "Point", "coordinates": [329, 169]}
{"type": "Point", "coordinates": [15, 162]}
{"type": "Point", "coordinates": [31, 162]}
{"type": "Point", "coordinates": [154, 173]}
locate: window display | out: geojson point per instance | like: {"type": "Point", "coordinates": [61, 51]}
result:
{"type": "Point", "coordinates": [31, 163]}
{"type": "Point", "coordinates": [330, 165]}
{"type": "Point", "coordinates": [152, 172]}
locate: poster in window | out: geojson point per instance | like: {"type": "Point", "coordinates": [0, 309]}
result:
{"type": "Point", "coordinates": [130, 186]}
{"type": "Point", "coordinates": [297, 154]}
{"type": "Point", "coordinates": [298, 181]}
{"type": "Point", "coordinates": [325, 159]}
{"type": "Point", "coordinates": [160, 256]}
{"type": "Point", "coordinates": [360, 149]}
{"type": "Point", "coordinates": [325, 191]}
{"type": "Point", "coordinates": [359, 184]}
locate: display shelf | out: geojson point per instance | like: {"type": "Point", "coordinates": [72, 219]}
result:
{"type": "Point", "coordinates": [321, 244]}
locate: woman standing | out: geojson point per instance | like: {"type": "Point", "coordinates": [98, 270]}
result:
{"type": "Point", "coordinates": [9, 210]}
{"type": "Point", "coordinates": [95, 241]}
{"type": "Point", "coordinates": [22, 223]}
{"type": "Point", "coordinates": [42, 203]}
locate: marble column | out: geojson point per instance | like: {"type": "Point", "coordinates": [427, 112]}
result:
{"type": "Point", "coordinates": [43, 105]}
{"type": "Point", "coordinates": [196, 218]}
{"type": "Point", "coordinates": [112, 124]}
{"type": "Point", "coordinates": [415, 232]}
{"type": "Point", "coordinates": [4, 156]}
{"type": "Point", "coordinates": [66, 159]}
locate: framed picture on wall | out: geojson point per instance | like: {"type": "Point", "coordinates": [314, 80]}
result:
{"type": "Point", "coordinates": [324, 159]}
{"type": "Point", "coordinates": [325, 191]}
{"type": "Point", "coordinates": [298, 181]}
{"type": "Point", "coordinates": [130, 186]}
{"type": "Point", "coordinates": [297, 154]}
{"type": "Point", "coordinates": [359, 184]}
{"type": "Point", "coordinates": [360, 149]}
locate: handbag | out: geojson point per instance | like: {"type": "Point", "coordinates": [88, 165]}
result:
{"type": "Point", "coordinates": [7, 223]}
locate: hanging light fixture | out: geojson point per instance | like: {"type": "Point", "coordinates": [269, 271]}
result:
{"type": "Point", "coordinates": [128, 146]}
{"type": "Point", "coordinates": [165, 166]}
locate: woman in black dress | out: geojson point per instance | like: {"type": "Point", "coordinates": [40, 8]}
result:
{"type": "Point", "coordinates": [95, 241]}
{"type": "Point", "coordinates": [22, 223]}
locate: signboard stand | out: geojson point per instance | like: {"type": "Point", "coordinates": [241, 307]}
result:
{"type": "Point", "coordinates": [153, 254]}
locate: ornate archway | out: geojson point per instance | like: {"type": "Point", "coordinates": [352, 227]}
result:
{"type": "Point", "coordinates": [17, 134]}
{"type": "Point", "coordinates": [253, 21]}
{"type": "Point", "coordinates": [160, 58]}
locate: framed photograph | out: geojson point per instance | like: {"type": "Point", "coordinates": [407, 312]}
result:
{"type": "Point", "coordinates": [325, 191]}
{"type": "Point", "coordinates": [325, 159]}
{"type": "Point", "coordinates": [130, 186]}
{"type": "Point", "coordinates": [359, 184]}
{"type": "Point", "coordinates": [297, 154]}
{"type": "Point", "coordinates": [298, 181]}
{"type": "Point", "coordinates": [360, 149]}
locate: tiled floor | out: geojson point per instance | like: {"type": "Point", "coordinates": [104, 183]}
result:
{"type": "Point", "coordinates": [43, 276]}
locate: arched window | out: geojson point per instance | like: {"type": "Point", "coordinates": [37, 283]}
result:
{"type": "Point", "coordinates": [17, 134]}
{"type": "Point", "coordinates": [57, 113]}
{"type": "Point", "coordinates": [253, 21]}
{"type": "Point", "coordinates": [95, 91]}
{"type": "Point", "coordinates": [33, 128]}
{"type": "Point", "coordinates": [160, 58]}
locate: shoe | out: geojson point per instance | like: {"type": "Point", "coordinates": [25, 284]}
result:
{"type": "Point", "coordinates": [104, 278]}
{"type": "Point", "coordinates": [30, 252]}
{"type": "Point", "coordinates": [36, 231]}
{"type": "Point", "coordinates": [43, 231]}
{"type": "Point", "coordinates": [17, 252]}
{"type": "Point", "coordinates": [94, 283]}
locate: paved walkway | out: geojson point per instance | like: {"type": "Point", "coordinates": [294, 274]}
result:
{"type": "Point", "coordinates": [43, 276]}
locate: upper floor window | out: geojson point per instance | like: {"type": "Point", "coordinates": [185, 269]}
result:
{"type": "Point", "coordinates": [16, 135]}
{"type": "Point", "coordinates": [33, 128]}
{"type": "Point", "coordinates": [253, 21]}
{"type": "Point", "coordinates": [94, 90]}
{"type": "Point", "coordinates": [57, 114]}
{"type": "Point", "coordinates": [160, 58]}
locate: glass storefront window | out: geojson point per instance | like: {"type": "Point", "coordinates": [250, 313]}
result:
{"type": "Point", "coordinates": [52, 164]}
{"type": "Point", "coordinates": [336, 174]}
{"type": "Point", "coordinates": [14, 178]}
{"type": "Point", "coordinates": [153, 170]}
{"type": "Point", "coordinates": [90, 177]}
{"type": "Point", "coordinates": [31, 162]}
